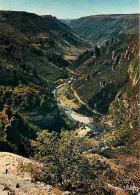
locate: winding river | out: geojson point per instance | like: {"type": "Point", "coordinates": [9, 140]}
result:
{"type": "Point", "coordinates": [71, 114]}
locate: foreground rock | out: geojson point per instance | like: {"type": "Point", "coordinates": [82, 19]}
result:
{"type": "Point", "coordinates": [18, 185]}
{"type": "Point", "coordinates": [13, 182]}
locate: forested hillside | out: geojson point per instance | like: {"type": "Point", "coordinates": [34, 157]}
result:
{"type": "Point", "coordinates": [33, 51]}
{"type": "Point", "coordinates": [100, 28]}
{"type": "Point", "coordinates": [106, 79]}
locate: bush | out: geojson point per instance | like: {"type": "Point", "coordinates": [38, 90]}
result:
{"type": "Point", "coordinates": [65, 166]}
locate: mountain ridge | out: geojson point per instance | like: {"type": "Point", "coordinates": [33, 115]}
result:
{"type": "Point", "coordinates": [91, 27]}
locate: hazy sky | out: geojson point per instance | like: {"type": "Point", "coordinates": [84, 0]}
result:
{"type": "Point", "coordinates": [71, 8]}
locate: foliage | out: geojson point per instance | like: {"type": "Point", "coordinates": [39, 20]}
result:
{"type": "Point", "coordinates": [32, 56]}
{"type": "Point", "coordinates": [34, 169]}
{"type": "Point", "coordinates": [16, 133]}
{"type": "Point", "coordinates": [65, 165]}
{"type": "Point", "coordinates": [107, 73]}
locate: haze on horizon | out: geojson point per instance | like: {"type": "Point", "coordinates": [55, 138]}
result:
{"type": "Point", "coordinates": [70, 9]}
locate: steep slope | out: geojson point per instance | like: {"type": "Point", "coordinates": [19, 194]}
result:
{"type": "Point", "coordinates": [106, 79]}
{"type": "Point", "coordinates": [106, 69]}
{"type": "Point", "coordinates": [64, 33]}
{"type": "Point", "coordinates": [100, 28]}
{"type": "Point", "coordinates": [32, 51]}
{"type": "Point", "coordinates": [45, 30]}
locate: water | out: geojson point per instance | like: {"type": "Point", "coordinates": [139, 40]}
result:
{"type": "Point", "coordinates": [72, 115]}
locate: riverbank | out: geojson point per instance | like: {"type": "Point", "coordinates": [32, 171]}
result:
{"type": "Point", "coordinates": [69, 105]}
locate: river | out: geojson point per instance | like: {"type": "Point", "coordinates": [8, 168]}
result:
{"type": "Point", "coordinates": [72, 115]}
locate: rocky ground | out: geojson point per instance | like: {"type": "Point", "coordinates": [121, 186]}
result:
{"type": "Point", "coordinates": [14, 183]}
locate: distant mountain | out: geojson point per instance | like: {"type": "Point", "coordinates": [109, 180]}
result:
{"type": "Point", "coordinates": [100, 28]}
{"type": "Point", "coordinates": [68, 40]}
{"type": "Point", "coordinates": [26, 37]}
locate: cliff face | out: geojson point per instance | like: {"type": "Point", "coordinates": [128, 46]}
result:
{"type": "Point", "coordinates": [103, 82]}
{"type": "Point", "coordinates": [43, 121]}
{"type": "Point", "coordinates": [103, 74]}
{"type": "Point", "coordinates": [107, 81]}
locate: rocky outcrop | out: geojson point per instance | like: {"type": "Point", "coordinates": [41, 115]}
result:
{"type": "Point", "coordinates": [13, 182]}
{"type": "Point", "coordinates": [42, 121]}
{"type": "Point", "coordinates": [133, 74]}
{"type": "Point", "coordinates": [18, 185]}
{"type": "Point", "coordinates": [115, 64]}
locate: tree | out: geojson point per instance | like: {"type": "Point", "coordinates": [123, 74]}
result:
{"type": "Point", "coordinates": [64, 165]}
{"type": "Point", "coordinates": [57, 154]}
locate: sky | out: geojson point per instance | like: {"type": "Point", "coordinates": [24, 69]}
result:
{"type": "Point", "coordinates": [70, 9]}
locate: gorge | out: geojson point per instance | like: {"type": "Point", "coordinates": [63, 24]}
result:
{"type": "Point", "coordinates": [68, 103]}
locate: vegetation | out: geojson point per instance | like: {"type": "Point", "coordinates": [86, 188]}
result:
{"type": "Point", "coordinates": [104, 85]}
{"type": "Point", "coordinates": [107, 73]}
{"type": "Point", "coordinates": [32, 59]}
{"type": "Point", "coordinates": [64, 165]}
{"type": "Point", "coordinates": [100, 28]}
{"type": "Point", "coordinates": [108, 83]}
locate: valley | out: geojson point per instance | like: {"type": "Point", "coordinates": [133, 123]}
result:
{"type": "Point", "coordinates": [68, 104]}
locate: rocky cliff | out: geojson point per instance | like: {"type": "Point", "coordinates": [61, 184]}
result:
{"type": "Point", "coordinates": [106, 79]}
